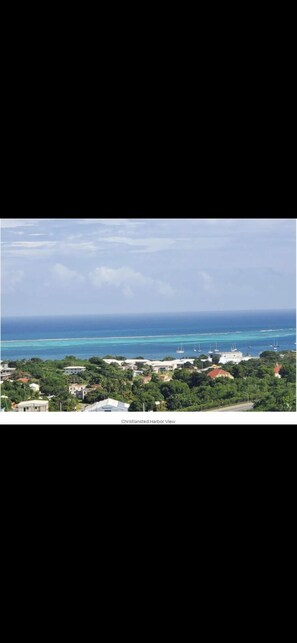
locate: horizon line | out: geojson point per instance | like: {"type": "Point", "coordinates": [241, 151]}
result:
{"type": "Point", "coordinates": [170, 312]}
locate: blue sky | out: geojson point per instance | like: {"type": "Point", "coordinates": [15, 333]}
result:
{"type": "Point", "coordinates": [84, 266]}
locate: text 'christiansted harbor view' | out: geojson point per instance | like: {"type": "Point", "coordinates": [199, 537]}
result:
{"type": "Point", "coordinates": [79, 331]}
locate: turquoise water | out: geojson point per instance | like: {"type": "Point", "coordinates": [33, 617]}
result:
{"type": "Point", "coordinates": [151, 336]}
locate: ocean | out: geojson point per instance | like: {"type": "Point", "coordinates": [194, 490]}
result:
{"type": "Point", "coordinates": [151, 336]}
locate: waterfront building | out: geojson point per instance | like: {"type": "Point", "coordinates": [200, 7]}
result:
{"type": "Point", "coordinates": [230, 356]}
{"type": "Point", "coordinates": [158, 366]}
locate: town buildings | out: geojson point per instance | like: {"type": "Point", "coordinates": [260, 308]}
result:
{"type": "Point", "coordinates": [158, 366]}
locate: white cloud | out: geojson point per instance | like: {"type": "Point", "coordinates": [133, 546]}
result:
{"type": "Point", "coordinates": [66, 276]}
{"type": "Point", "coordinates": [127, 279]}
{"type": "Point", "coordinates": [29, 249]}
{"type": "Point", "coordinates": [32, 244]}
{"type": "Point", "coordinates": [15, 223]}
{"type": "Point", "coordinates": [114, 222]}
{"type": "Point", "coordinates": [80, 246]}
{"type": "Point", "coordinates": [21, 223]}
{"type": "Point", "coordinates": [149, 244]}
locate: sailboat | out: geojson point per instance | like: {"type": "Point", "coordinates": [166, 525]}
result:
{"type": "Point", "coordinates": [216, 348]}
{"type": "Point", "coordinates": [180, 349]}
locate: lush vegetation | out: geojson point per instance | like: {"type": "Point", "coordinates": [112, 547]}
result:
{"type": "Point", "coordinates": [186, 389]}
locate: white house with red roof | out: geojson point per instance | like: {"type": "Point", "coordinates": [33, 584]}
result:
{"type": "Point", "coordinates": [219, 372]}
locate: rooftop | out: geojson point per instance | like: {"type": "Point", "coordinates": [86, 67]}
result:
{"type": "Point", "coordinates": [33, 403]}
{"type": "Point", "coordinates": [108, 402]}
{"type": "Point", "coordinates": [219, 372]}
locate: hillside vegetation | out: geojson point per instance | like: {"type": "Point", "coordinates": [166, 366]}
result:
{"type": "Point", "coordinates": [189, 389]}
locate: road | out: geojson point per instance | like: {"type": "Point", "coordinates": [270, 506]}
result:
{"type": "Point", "coordinates": [244, 406]}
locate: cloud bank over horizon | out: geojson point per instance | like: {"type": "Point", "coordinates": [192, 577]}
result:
{"type": "Point", "coordinates": [84, 266]}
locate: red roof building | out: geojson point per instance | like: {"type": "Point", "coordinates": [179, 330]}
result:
{"type": "Point", "coordinates": [24, 380]}
{"type": "Point", "coordinates": [218, 372]}
{"type": "Point", "coordinates": [277, 369]}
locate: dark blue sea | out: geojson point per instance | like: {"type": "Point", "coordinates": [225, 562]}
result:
{"type": "Point", "coordinates": [152, 336]}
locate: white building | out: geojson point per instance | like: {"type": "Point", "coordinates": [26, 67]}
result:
{"type": "Point", "coordinates": [78, 390]}
{"type": "Point", "coordinates": [6, 371]}
{"type": "Point", "coordinates": [74, 370]}
{"type": "Point", "coordinates": [230, 356]}
{"type": "Point", "coordinates": [32, 406]}
{"type": "Point", "coordinates": [35, 387]}
{"type": "Point", "coordinates": [108, 405]}
{"type": "Point", "coordinates": [163, 366]}
{"type": "Point", "coordinates": [157, 365]}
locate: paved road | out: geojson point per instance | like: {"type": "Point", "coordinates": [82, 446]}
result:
{"type": "Point", "coordinates": [244, 406]}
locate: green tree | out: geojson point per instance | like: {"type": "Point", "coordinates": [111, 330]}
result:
{"type": "Point", "coordinates": [5, 404]}
{"type": "Point", "coordinates": [288, 372]}
{"type": "Point", "coordinates": [215, 359]}
{"type": "Point", "coordinates": [97, 360]}
{"type": "Point", "coordinates": [198, 378]}
{"type": "Point", "coordinates": [175, 387]}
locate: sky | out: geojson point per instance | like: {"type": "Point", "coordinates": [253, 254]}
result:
{"type": "Point", "coordinates": [99, 266]}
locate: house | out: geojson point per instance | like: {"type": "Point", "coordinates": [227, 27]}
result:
{"type": "Point", "coordinates": [218, 372]}
{"type": "Point", "coordinates": [107, 406]}
{"type": "Point", "coordinates": [24, 380]}
{"type": "Point", "coordinates": [78, 390]}
{"type": "Point", "coordinates": [74, 370]}
{"type": "Point", "coordinates": [164, 366]}
{"type": "Point", "coordinates": [276, 370]}
{"type": "Point", "coordinates": [34, 387]}
{"type": "Point", "coordinates": [32, 406]}
{"type": "Point", "coordinates": [6, 372]}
